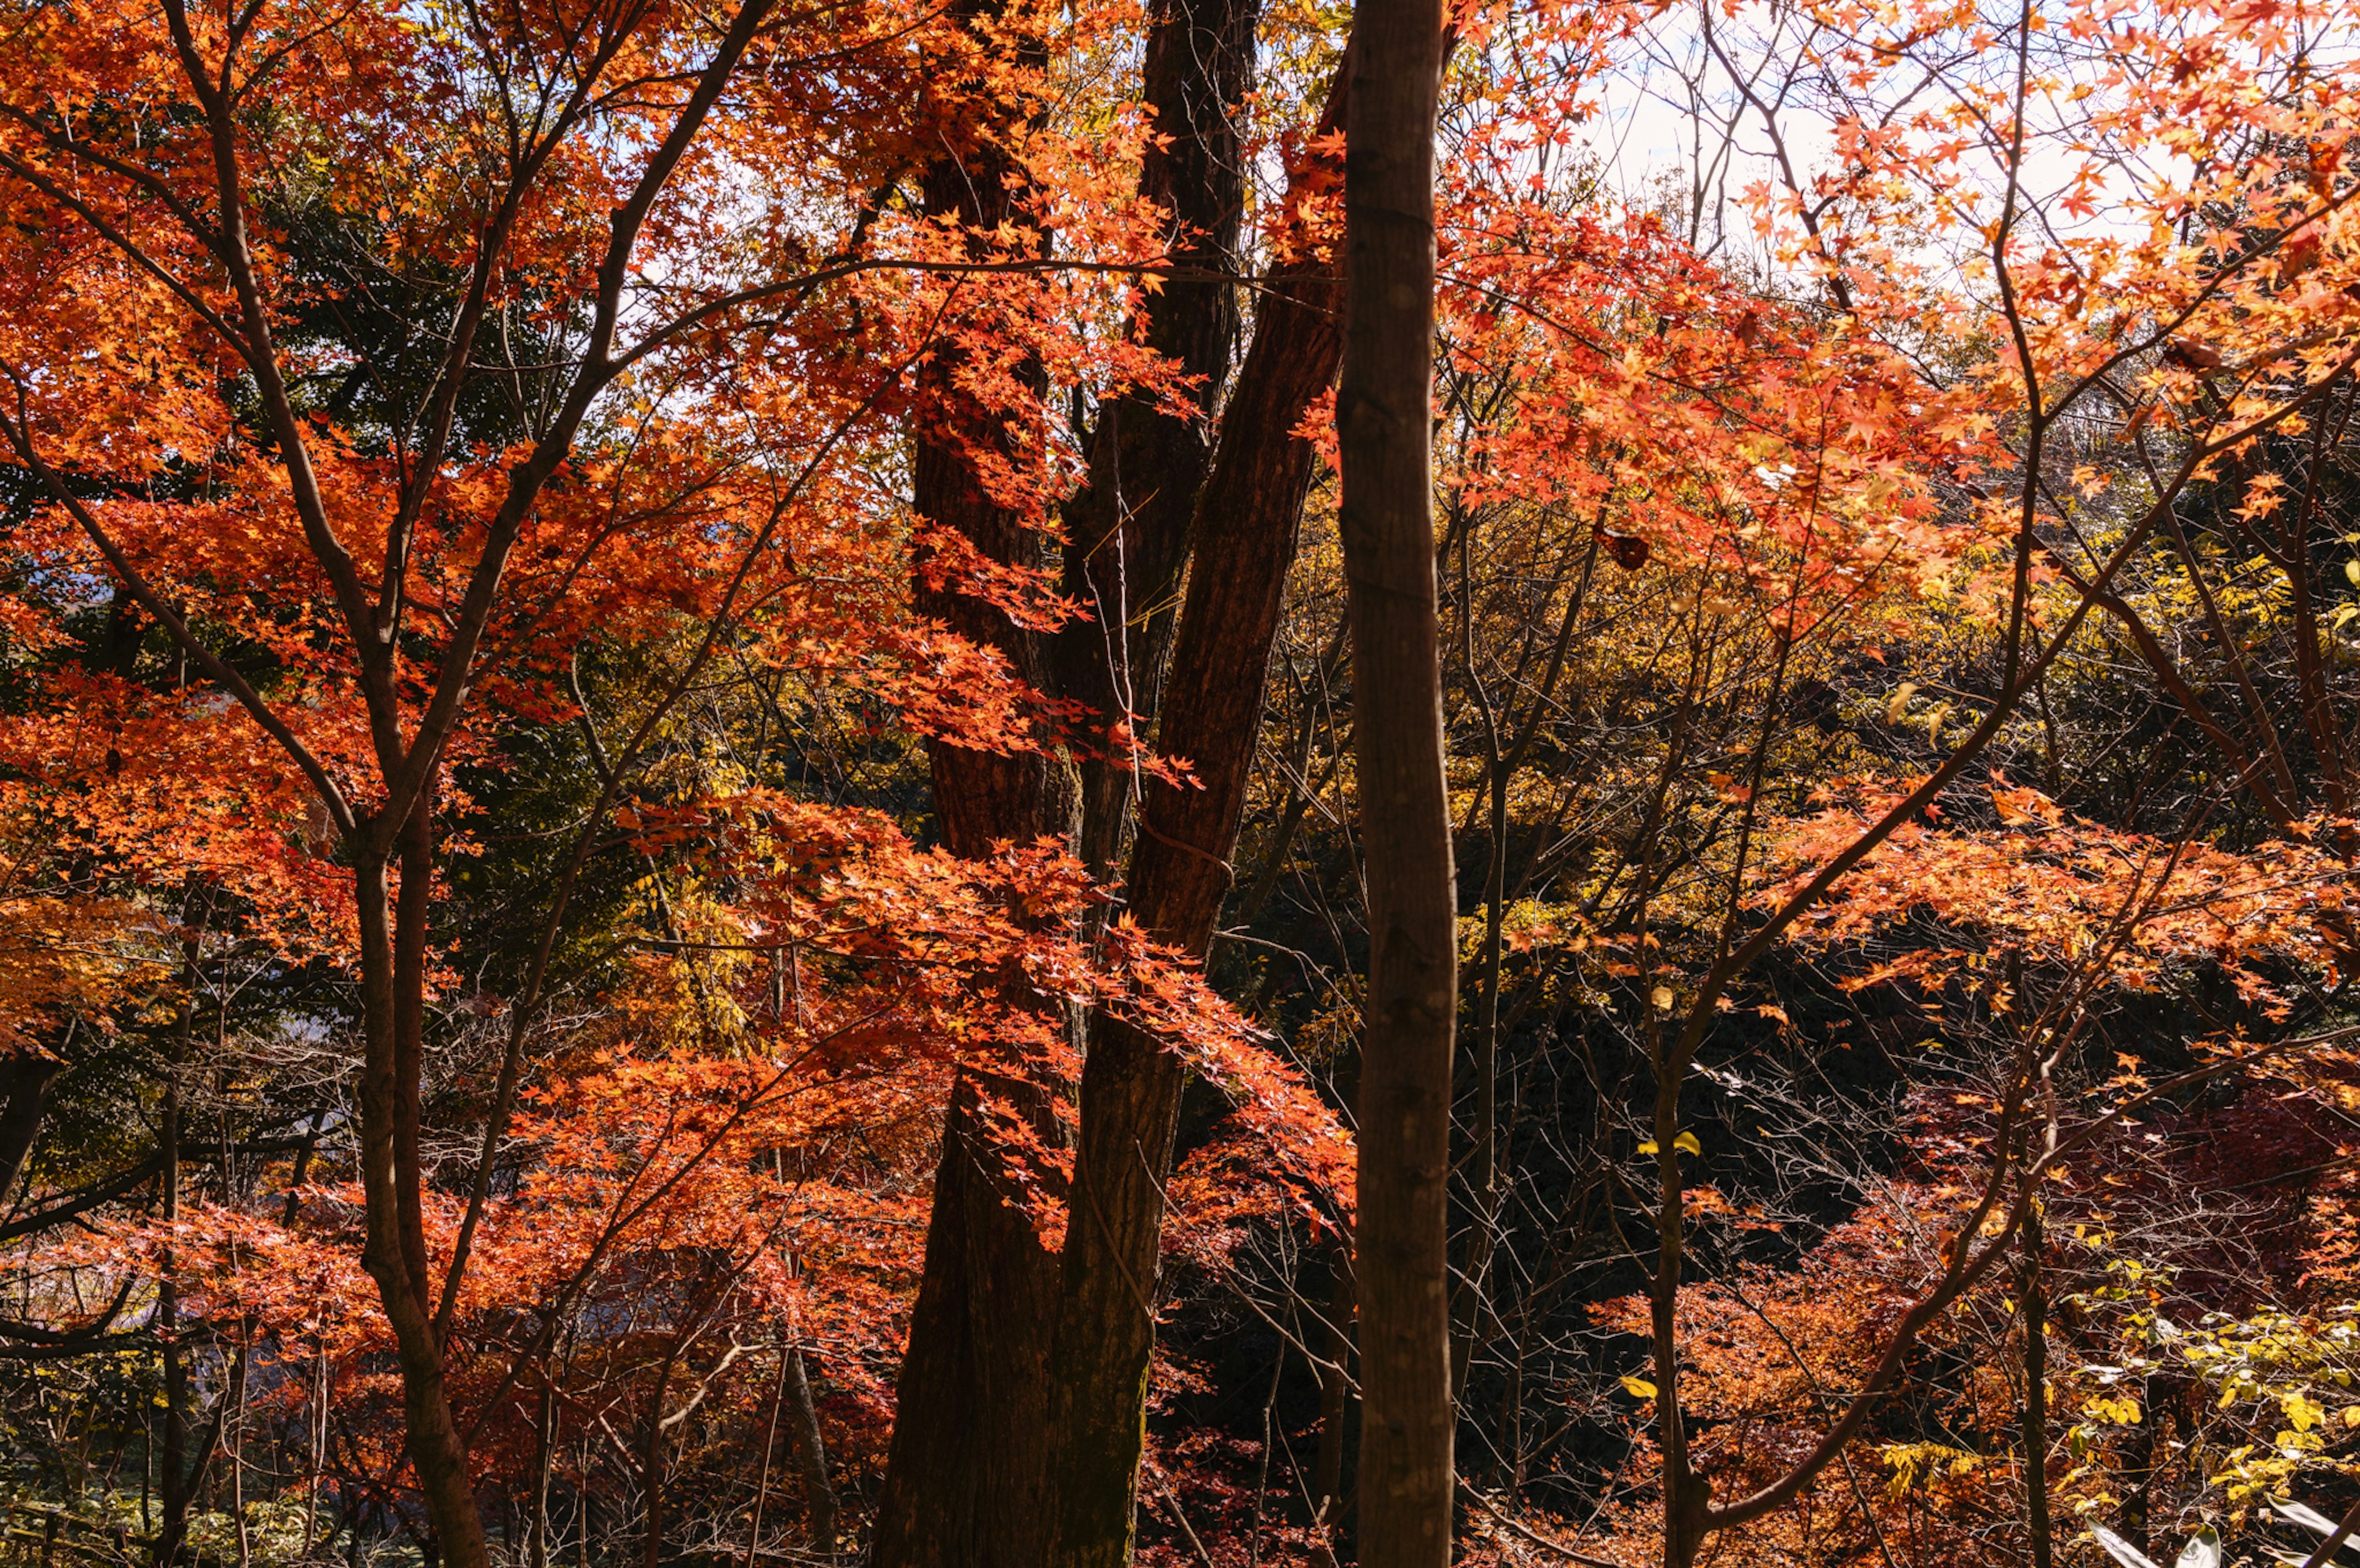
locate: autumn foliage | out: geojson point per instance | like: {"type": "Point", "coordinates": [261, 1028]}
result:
{"type": "Point", "coordinates": [683, 875]}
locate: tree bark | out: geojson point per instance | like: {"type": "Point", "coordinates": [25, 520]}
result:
{"type": "Point", "coordinates": [24, 1094]}
{"type": "Point", "coordinates": [388, 1105]}
{"type": "Point", "coordinates": [2035, 1424]}
{"type": "Point", "coordinates": [172, 1471]}
{"type": "Point", "coordinates": [820, 1500]}
{"type": "Point", "coordinates": [1129, 528]}
{"type": "Point", "coordinates": [544, 1449]}
{"type": "Point", "coordinates": [1155, 491]}
{"type": "Point", "coordinates": [1245, 533]}
{"type": "Point", "coordinates": [965, 1476]}
{"type": "Point", "coordinates": [1335, 1393]}
{"type": "Point", "coordinates": [1384, 443]}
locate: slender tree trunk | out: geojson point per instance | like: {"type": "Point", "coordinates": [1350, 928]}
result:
{"type": "Point", "coordinates": [172, 1470]}
{"type": "Point", "coordinates": [237, 1451]}
{"type": "Point", "coordinates": [1334, 1394]}
{"type": "Point", "coordinates": [770, 1446]}
{"type": "Point", "coordinates": [1483, 1156]}
{"type": "Point", "coordinates": [544, 1449]}
{"type": "Point", "coordinates": [388, 1105]}
{"type": "Point", "coordinates": [318, 1422]}
{"type": "Point", "coordinates": [301, 1168]}
{"type": "Point", "coordinates": [652, 1466]}
{"type": "Point", "coordinates": [413, 903]}
{"type": "Point", "coordinates": [1385, 432]}
{"type": "Point", "coordinates": [1246, 520]}
{"type": "Point", "coordinates": [820, 1500]}
{"type": "Point", "coordinates": [2034, 1433]}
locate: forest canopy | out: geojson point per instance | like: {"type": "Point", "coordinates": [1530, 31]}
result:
{"type": "Point", "coordinates": [1179, 782]}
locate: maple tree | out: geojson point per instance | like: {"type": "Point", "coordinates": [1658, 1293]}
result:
{"type": "Point", "coordinates": [721, 729]}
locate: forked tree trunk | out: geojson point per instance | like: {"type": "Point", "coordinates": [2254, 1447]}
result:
{"type": "Point", "coordinates": [1245, 532]}
{"type": "Point", "coordinates": [1130, 529]}
{"type": "Point", "coordinates": [392, 1251]}
{"type": "Point", "coordinates": [973, 1461]}
{"type": "Point", "coordinates": [1384, 443]}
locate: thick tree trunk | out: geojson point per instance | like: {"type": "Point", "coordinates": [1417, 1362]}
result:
{"type": "Point", "coordinates": [1245, 533]}
{"type": "Point", "coordinates": [966, 1478]}
{"type": "Point", "coordinates": [1385, 442]}
{"type": "Point", "coordinates": [1129, 528]}
{"type": "Point", "coordinates": [963, 1483]}
{"type": "Point", "coordinates": [970, 1488]}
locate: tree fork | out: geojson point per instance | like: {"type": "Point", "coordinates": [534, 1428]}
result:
{"type": "Point", "coordinates": [1247, 517]}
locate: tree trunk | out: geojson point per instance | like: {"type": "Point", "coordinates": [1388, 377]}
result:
{"type": "Point", "coordinates": [544, 1449]}
{"type": "Point", "coordinates": [1384, 443]}
{"type": "Point", "coordinates": [976, 1344]}
{"type": "Point", "coordinates": [172, 1470]}
{"type": "Point", "coordinates": [2034, 1433]}
{"type": "Point", "coordinates": [1246, 521]}
{"type": "Point", "coordinates": [965, 1477]}
{"type": "Point", "coordinates": [820, 1500]}
{"type": "Point", "coordinates": [236, 1446]}
{"type": "Point", "coordinates": [762, 1473]}
{"type": "Point", "coordinates": [388, 1105]}
{"type": "Point", "coordinates": [1128, 528]}
{"type": "Point", "coordinates": [24, 1092]}
{"type": "Point", "coordinates": [1335, 1393]}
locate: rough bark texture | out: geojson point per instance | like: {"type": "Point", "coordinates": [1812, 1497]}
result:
{"type": "Point", "coordinates": [964, 1480]}
{"type": "Point", "coordinates": [981, 1472]}
{"type": "Point", "coordinates": [1128, 528]}
{"type": "Point", "coordinates": [1245, 532]}
{"type": "Point", "coordinates": [1384, 443]}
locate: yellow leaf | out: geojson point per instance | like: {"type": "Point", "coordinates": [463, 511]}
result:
{"type": "Point", "coordinates": [1897, 706]}
{"type": "Point", "coordinates": [1649, 1147]}
{"type": "Point", "coordinates": [1664, 999]}
{"type": "Point", "coordinates": [1639, 1387]}
{"type": "Point", "coordinates": [1687, 1141]}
